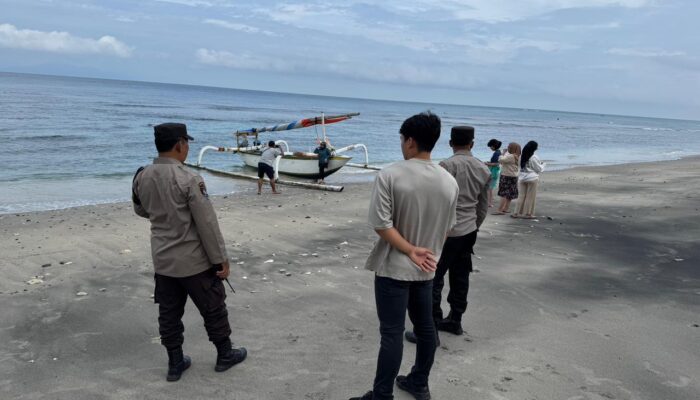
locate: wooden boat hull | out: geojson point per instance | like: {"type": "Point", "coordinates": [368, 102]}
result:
{"type": "Point", "coordinates": [304, 165]}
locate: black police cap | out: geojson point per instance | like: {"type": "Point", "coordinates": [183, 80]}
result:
{"type": "Point", "coordinates": [171, 130]}
{"type": "Point", "coordinates": [462, 135]}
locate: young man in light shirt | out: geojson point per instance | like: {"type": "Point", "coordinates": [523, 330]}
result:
{"type": "Point", "coordinates": [412, 209]}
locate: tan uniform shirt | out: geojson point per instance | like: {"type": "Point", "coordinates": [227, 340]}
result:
{"type": "Point", "coordinates": [418, 198]}
{"type": "Point", "coordinates": [473, 178]}
{"type": "Point", "coordinates": [185, 235]}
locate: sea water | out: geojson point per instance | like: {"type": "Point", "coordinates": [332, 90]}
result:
{"type": "Point", "coordinates": [75, 141]}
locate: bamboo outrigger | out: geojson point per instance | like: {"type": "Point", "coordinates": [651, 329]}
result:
{"type": "Point", "coordinates": [298, 164]}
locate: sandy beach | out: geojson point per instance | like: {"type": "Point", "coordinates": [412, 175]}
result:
{"type": "Point", "coordinates": [599, 298]}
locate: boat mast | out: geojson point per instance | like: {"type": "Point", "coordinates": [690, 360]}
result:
{"type": "Point", "coordinates": [323, 125]}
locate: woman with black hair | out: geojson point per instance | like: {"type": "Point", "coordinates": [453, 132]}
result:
{"type": "Point", "coordinates": [530, 169]}
{"type": "Point", "coordinates": [494, 167]}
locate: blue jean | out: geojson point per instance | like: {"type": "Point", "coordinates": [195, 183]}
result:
{"type": "Point", "coordinates": [393, 298]}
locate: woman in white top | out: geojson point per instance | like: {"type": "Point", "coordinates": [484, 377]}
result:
{"type": "Point", "coordinates": [530, 169]}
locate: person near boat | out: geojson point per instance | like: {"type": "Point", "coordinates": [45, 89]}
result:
{"type": "Point", "coordinates": [266, 165]}
{"type": "Point", "coordinates": [324, 156]}
{"type": "Point", "coordinates": [188, 250]}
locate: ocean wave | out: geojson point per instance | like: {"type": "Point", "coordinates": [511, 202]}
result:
{"type": "Point", "coordinates": [530, 126]}
{"type": "Point", "coordinates": [176, 117]}
{"type": "Point", "coordinates": [54, 205]}
{"type": "Point", "coordinates": [220, 107]}
{"type": "Point", "coordinates": [50, 138]}
{"type": "Point", "coordinates": [138, 105]}
{"type": "Point", "coordinates": [645, 128]}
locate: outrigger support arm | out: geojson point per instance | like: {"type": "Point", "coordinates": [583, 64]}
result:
{"type": "Point", "coordinates": [352, 147]}
{"type": "Point", "coordinates": [277, 167]}
{"type": "Point", "coordinates": [221, 149]}
{"type": "Point", "coordinates": [286, 145]}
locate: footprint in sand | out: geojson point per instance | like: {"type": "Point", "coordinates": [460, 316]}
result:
{"type": "Point", "coordinates": [683, 381]}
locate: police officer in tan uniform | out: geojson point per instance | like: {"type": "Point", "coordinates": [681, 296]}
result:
{"type": "Point", "coordinates": [189, 254]}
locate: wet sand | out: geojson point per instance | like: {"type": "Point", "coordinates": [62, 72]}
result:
{"type": "Point", "coordinates": [599, 298]}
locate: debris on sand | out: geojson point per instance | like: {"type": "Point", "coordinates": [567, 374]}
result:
{"type": "Point", "coordinates": [35, 281]}
{"type": "Point", "coordinates": [269, 261]}
{"type": "Point", "coordinates": [80, 294]}
{"type": "Point", "coordinates": [46, 265]}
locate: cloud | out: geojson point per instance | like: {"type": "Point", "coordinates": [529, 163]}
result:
{"type": "Point", "coordinates": [191, 3]}
{"type": "Point", "coordinates": [646, 53]}
{"type": "Point", "coordinates": [242, 61]}
{"type": "Point", "coordinates": [434, 75]}
{"type": "Point", "coordinates": [60, 42]}
{"type": "Point", "coordinates": [238, 27]}
{"type": "Point", "coordinates": [490, 11]}
{"type": "Point", "coordinates": [494, 11]}
{"type": "Point", "coordinates": [484, 50]}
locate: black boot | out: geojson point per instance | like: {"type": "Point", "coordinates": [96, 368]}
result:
{"type": "Point", "coordinates": [177, 364]}
{"type": "Point", "coordinates": [420, 393]}
{"type": "Point", "coordinates": [411, 337]}
{"type": "Point", "coordinates": [227, 356]}
{"type": "Point", "coordinates": [452, 324]}
{"type": "Point", "coordinates": [367, 396]}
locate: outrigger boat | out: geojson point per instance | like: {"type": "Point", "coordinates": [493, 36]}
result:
{"type": "Point", "coordinates": [299, 164]}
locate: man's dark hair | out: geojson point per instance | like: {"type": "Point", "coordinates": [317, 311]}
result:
{"type": "Point", "coordinates": [424, 128]}
{"type": "Point", "coordinates": [271, 143]}
{"type": "Point", "coordinates": [165, 145]}
{"type": "Point", "coordinates": [528, 151]}
{"type": "Point", "coordinates": [462, 135]}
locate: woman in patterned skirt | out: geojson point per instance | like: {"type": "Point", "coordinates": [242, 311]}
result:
{"type": "Point", "coordinates": [508, 183]}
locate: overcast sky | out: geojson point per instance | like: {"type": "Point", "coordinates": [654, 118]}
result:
{"type": "Point", "coordinates": [635, 57]}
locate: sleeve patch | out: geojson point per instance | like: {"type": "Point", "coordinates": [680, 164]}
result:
{"type": "Point", "coordinates": [203, 189]}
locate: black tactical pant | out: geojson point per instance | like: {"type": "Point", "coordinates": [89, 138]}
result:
{"type": "Point", "coordinates": [456, 257]}
{"type": "Point", "coordinates": [393, 298]}
{"type": "Point", "coordinates": [207, 293]}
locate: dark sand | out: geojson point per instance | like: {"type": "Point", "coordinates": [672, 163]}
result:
{"type": "Point", "coordinates": [597, 299]}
